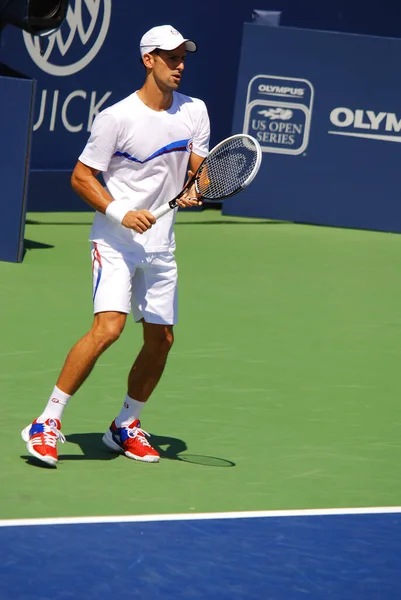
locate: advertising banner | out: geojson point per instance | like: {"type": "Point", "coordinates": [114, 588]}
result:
{"type": "Point", "coordinates": [326, 109]}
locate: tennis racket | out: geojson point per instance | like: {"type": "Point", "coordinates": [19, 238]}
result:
{"type": "Point", "coordinates": [229, 168]}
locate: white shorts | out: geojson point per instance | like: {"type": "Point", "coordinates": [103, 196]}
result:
{"type": "Point", "coordinates": [123, 282]}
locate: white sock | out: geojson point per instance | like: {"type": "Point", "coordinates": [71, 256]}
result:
{"type": "Point", "coordinates": [55, 406]}
{"type": "Point", "coordinates": [131, 410]}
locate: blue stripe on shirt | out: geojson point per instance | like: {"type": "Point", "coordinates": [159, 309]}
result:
{"type": "Point", "coordinates": [180, 146]}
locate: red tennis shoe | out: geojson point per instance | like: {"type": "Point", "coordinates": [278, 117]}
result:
{"type": "Point", "coordinates": [131, 441]}
{"type": "Point", "coordinates": [41, 440]}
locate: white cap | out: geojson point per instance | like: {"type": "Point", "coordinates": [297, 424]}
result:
{"type": "Point", "coordinates": [164, 37]}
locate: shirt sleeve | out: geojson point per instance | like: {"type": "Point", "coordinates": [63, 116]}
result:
{"type": "Point", "coordinates": [102, 142]}
{"type": "Point", "coordinates": [200, 142]}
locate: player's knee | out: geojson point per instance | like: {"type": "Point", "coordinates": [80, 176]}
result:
{"type": "Point", "coordinates": [161, 341]}
{"type": "Point", "coordinates": [108, 331]}
{"type": "Point", "coordinates": [164, 343]}
{"type": "Point", "coordinates": [168, 340]}
{"type": "Point", "coordinates": [111, 334]}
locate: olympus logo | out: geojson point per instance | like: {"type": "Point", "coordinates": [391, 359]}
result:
{"type": "Point", "coordinates": [358, 122]}
{"type": "Point", "coordinates": [281, 90]}
{"type": "Point", "coordinates": [86, 27]}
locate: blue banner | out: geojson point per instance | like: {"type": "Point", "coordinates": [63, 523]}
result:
{"type": "Point", "coordinates": [16, 100]}
{"type": "Point", "coordinates": [324, 107]}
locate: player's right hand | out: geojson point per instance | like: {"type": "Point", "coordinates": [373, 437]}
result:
{"type": "Point", "coordinates": [139, 220]}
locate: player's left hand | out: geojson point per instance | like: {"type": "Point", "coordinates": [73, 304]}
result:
{"type": "Point", "coordinates": [190, 198]}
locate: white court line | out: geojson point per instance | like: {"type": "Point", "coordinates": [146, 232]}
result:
{"type": "Point", "coordinates": [314, 512]}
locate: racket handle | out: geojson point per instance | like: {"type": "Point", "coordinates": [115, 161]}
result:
{"type": "Point", "coordinates": [164, 209]}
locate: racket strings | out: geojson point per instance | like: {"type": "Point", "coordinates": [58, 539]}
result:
{"type": "Point", "coordinates": [227, 168]}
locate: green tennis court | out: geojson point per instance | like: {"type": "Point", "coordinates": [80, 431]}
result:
{"type": "Point", "coordinates": [282, 390]}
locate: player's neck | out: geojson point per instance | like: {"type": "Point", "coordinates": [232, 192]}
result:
{"type": "Point", "coordinates": [154, 97]}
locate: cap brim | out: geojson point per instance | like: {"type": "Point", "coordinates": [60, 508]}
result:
{"type": "Point", "coordinates": [190, 46]}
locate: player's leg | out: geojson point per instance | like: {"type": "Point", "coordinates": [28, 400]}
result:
{"type": "Point", "coordinates": [106, 329]}
{"type": "Point", "coordinates": [112, 302]}
{"type": "Point", "coordinates": [151, 360]}
{"type": "Point", "coordinates": [155, 306]}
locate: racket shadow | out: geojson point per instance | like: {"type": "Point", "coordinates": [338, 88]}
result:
{"type": "Point", "coordinates": [175, 449]}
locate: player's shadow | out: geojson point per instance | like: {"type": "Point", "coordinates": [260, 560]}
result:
{"type": "Point", "coordinates": [90, 444]}
{"type": "Point", "coordinates": [93, 448]}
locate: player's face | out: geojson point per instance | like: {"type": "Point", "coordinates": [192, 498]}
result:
{"type": "Point", "coordinates": [168, 67]}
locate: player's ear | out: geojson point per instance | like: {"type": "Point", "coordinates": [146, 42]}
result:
{"type": "Point", "coordinates": [148, 60]}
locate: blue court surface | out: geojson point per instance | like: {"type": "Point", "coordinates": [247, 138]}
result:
{"type": "Point", "coordinates": [334, 554]}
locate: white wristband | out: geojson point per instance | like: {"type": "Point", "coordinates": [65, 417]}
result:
{"type": "Point", "coordinates": [116, 211]}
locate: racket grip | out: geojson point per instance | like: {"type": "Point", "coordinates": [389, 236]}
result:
{"type": "Point", "coordinates": [163, 209]}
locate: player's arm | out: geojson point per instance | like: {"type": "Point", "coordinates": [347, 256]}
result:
{"type": "Point", "coordinates": [96, 156]}
{"type": "Point", "coordinates": [200, 149]}
{"type": "Point", "coordinates": [195, 161]}
{"type": "Point", "coordinates": [190, 198]}
{"type": "Point", "coordinates": [85, 183]}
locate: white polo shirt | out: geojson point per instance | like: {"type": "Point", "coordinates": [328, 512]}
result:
{"type": "Point", "coordinates": [143, 155]}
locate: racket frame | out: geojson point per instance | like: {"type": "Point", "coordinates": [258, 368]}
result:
{"type": "Point", "coordinates": [162, 210]}
{"type": "Point", "coordinates": [251, 177]}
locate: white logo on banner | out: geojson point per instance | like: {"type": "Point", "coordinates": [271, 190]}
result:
{"type": "Point", "coordinates": [61, 41]}
{"type": "Point", "coordinates": [278, 113]}
{"type": "Point", "coordinates": [279, 90]}
{"type": "Point", "coordinates": [383, 123]}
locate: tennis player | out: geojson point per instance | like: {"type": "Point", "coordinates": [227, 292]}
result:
{"type": "Point", "coordinates": [143, 146]}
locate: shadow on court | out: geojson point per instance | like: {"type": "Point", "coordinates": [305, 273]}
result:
{"type": "Point", "coordinates": [33, 222]}
{"type": "Point", "coordinates": [175, 449]}
{"type": "Point", "coordinates": [93, 448]}
{"type": "Point", "coordinates": [35, 462]}
{"type": "Point", "coordinates": [178, 223]}
{"type": "Point", "coordinates": [31, 245]}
